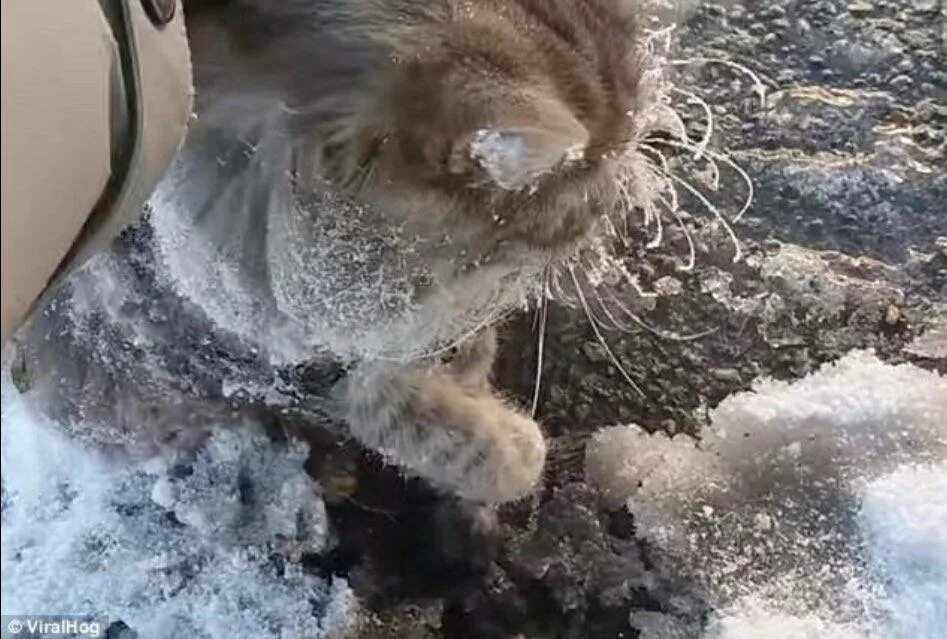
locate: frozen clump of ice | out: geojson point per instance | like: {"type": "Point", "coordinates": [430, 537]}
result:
{"type": "Point", "coordinates": [766, 507]}
{"type": "Point", "coordinates": [619, 474]}
{"type": "Point", "coordinates": [242, 490]}
{"type": "Point", "coordinates": [198, 548]}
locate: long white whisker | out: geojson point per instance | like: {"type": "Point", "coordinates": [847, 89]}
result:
{"type": "Point", "coordinates": [601, 340]}
{"type": "Point", "coordinates": [672, 206]}
{"type": "Point", "coordinates": [738, 252]}
{"type": "Point", "coordinates": [556, 286]}
{"type": "Point", "coordinates": [693, 98]}
{"type": "Point", "coordinates": [540, 350]}
{"type": "Point", "coordinates": [722, 157]}
{"type": "Point", "coordinates": [659, 233]}
{"type": "Point", "coordinates": [615, 324]}
{"type": "Point", "coordinates": [691, 250]}
{"type": "Point", "coordinates": [635, 284]}
{"type": "Point", "coordinates": [758, 85]}
{"type": "Point", "coordinates": [675, 337]}
{"type": "Point", "coordinates": [665, 165]}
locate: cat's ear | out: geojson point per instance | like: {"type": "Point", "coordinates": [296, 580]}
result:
{"type": "Point", "coordinates": [515, 154]}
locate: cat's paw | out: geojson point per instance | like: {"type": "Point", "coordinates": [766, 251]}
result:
{"type": "Point", "coordinates": [476, 445]}
{"type": "Point", "coordinates": [517, 463]}
{"type": "Point", "coordinates": [462, 439]}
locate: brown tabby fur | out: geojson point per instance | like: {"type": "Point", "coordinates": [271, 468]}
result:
{"type": "Point", "coordinates": [399, 103]}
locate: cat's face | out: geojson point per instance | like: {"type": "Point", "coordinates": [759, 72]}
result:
{"type": "Point", "coordinates": [508, 113]}
{"type": "Point", "coordinates": [476, 145]}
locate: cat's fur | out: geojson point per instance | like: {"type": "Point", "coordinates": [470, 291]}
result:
{"type": "Point", "coordinates": [491, 121]}
{"type": "Point", "coordinates": [482, 133]}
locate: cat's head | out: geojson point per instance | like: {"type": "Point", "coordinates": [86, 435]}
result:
{"type": "Point", "coordinates": [478, 145]}
{"type": "Point", "coordinates": [508, 112]}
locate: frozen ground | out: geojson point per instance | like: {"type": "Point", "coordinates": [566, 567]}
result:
{"type": "Point", "coordinates": [812, 510]}
{"type": "Point", "coordinates": [206, 547]}
{"type": "Point", "coordinates": [902, 518]}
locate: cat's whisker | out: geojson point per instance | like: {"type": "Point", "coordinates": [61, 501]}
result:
{"type": "Point", "coordinates": [593, 276]}
{"type": "Point", "coordinates": [674, 337]}
{"type": "Point", "coordinates": [540, 350]}
{"type": "Point", "coordinates": [691, 250]}
{"type": "Point", "coordinates": [601, 339]}
{"type": "Point", "coordinates": [722, 157]}
{"type": "Point", "coordinates": [659, 233]}
{"type": "Point", "coordinates": [693, 98]}
{"type": "Point", "coordinates": [556, 288]}
{"type": "Point", "coordinates": [612, 229]}
{"type": "Point", "coordinates": [664, 167]}
{"type": "Point", "coordinates": [627, 203]}
{"type": "Point", "coordinates": [738, 251]}
{"type": "Point", "coordinates": [758, 84]}
{"type": "Point", "coordinates": [616, 323]}
{"type": "Point", "coordinates": [632, 281]}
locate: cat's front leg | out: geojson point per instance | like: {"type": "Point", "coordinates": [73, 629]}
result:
{"type": "Point", "coordinates": [458, 436]}
{"type": "Point", "coordinates": [473, 361]}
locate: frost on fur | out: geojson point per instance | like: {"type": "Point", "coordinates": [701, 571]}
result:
{"type": "Point", "coordinates": [763, 512]}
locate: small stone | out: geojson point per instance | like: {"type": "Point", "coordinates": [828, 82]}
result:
{"type": "Point", "coordinates": [901, 82]}
{"type": "Point", "coordinates": [728, 375]}
{"type": "Point", "coordinates": [763, 522]}
{"type": "Point", "coordinates": [925, 6]}
{"type": "Point", "coordinates": [860, 8]}
{"type": "Point", "coordinates": [892, 315]}
{"type": "Point", "coordinates": [668, 285]}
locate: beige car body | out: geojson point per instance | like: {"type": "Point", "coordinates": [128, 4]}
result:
{"type": "Point", "coordinates": [62, 75]}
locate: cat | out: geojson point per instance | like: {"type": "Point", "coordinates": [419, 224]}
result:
{"type": "Point", "coordinates": [379, 182]}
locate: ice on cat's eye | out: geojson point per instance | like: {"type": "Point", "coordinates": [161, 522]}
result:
{"type": "Point", "coordinates": [808, 509]}
{"type": "Point", "coordinates": [199, 548]}
{"type": "Point", "coordinates": [516, 158]}
{"type": "Point", "coordinates": [265, 252]}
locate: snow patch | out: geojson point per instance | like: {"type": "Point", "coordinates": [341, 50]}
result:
{"type": "Point", "coordinates": [203, 547]}
{"type": "Point", "coordinates": [808, 509]}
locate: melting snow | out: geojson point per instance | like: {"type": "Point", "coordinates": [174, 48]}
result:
{"type": "Point", "coordinates": [816, 509]}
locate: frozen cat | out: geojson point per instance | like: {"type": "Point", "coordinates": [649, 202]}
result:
{"type": "Point", "coordinates": [380, 181]}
